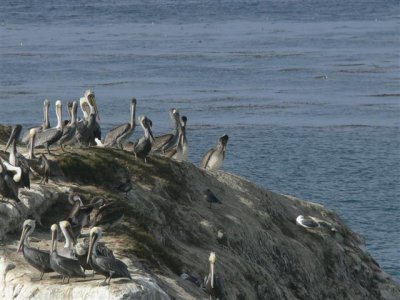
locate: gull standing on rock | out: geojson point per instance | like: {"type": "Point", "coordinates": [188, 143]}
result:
{"type": "Point", "coordinates": [214, 157]}
{"type": "Point", "coordinates": [120, 134]}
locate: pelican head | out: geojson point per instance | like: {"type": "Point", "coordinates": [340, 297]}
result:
{"type": "Point", "coordinates": [27, 228]}
{"type": "Point", "coordinates": [95, 235]}
{"type": "Point", "coordinates": [146, 123]}
{"type": "Point", "coordinates": [46, 103]}
{"type": "Point", "coordinates": [32, 132]}
{"type": "Point", "coordinates": [91, 99]}
{"type": "Point", "coordinates": [73, 197]}
{"type": "Point", "coordinates": [223, 140]}
{"type": "Point", "coordinates": [133, 101]}
{"type": "Point", "coordinates": [14, 135]}
{"type": "Point", "coordinates": [66, 229]}
{"type": "Point", "coordinates": [16, 170]}
{"type": "Point", "coordinates": [183, 121]}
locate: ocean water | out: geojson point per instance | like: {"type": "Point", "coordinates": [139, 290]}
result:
{"type": "Point", "coordinates": [308, 91]}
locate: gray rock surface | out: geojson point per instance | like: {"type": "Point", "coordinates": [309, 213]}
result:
{"type": "Point", "coordinates": [169, 228]}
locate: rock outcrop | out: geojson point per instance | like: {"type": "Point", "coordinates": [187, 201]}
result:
{"type": "Point", "coordinates": [169, 228]}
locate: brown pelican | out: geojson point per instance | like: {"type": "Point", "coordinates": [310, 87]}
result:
{"type": "Point", "coordinates": [88, 129]}
{"type": "Point", "coordinates": [69, 130]}
{"type": "Point", "coordinates": [212, 283]}
{"type": "Point", "coordinates": [16, 159]}
{"type": "Point", "coordinates": [143, 146]}
{"type": "Point", "coordinates": [38, 259]}
{"type": "Point", "coordinates": [80, 250]}
{"type": "Point", "coordinates": [120, 134]}
{"type": "Point", "coordinates": [67, 267]}
{"type": "Point", "coordinates": [44, 126]}
{"type": "Point", "coordinates": [166, 141]}
{"type": "Point", "coordinates": [210, 197]}
{"type": "Point", "coordinates": [52, 135]}
{"type": "Point", "coordinates": [214, 157]}
{"type": "Point", "coordinates": [8, 187]}
{"type": "Point", "coordinates": [106, 266]}
{"type": "Point", "coordinates": [181, 149]}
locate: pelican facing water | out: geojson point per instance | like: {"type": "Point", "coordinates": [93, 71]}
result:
{"type": "Point", "coordinates": [52, 135]}
{"type": "Point", "coordinates": [214, 157]}
{"type": "Point", "coordinates": [44, 126]}
{"type": "Point", "coordinates": [121, 133]}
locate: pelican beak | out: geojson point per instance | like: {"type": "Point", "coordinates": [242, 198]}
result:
{"type": "Point", "coordinates": [92, 101]}
{"type": "Point", "coordinates": [151, 136]}
{"type": "Point", "coordinates": [21, 241]}
{"type": "Point", "coordinates": [212, 275]}
{"type": "Point", "coordinates": [12, 137]}
{"type": "Point", "coordinates": [93, 238]}
{"type": "Point", "coordinates": [71, 234]}
{"type": "Point", "coordinates": [53, 240]}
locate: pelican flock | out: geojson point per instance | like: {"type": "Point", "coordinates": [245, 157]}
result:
{"type": "Point", "coordinates": [99, 215]}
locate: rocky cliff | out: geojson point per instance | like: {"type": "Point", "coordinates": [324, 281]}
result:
{"type": "Point", "coordinates": [169, 228]}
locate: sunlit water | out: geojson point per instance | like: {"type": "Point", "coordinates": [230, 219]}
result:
{"type": "Point", "coordinates": [308, 91]}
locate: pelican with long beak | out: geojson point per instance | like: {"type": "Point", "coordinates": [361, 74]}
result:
{"type": "Point", "coordinates": [143, 146]}
{"type": "Point", "coordinates": [106, 266]}
{"type": "Point", "coordinates": [16, 159]}
{"type": "Point", "coordinates": [164, 142]}
{"type": "Point", "coordinates": [65, 266]}
{"type": "Point", "coordinates": [52, 135]}
{"type": "Point", "coordinates": [38, 259]}
{"type": "Point", "coordinates": [214, 157]}
{"type": "Point", "coordinates": [69, 131]}
{"type": "Point", "coordinates": [88, 129]}
{"type": "Point", "coordinates": [80, 250]}
{"type": "Point", "coordinates": [212, 283]}
{"type": "Point", "coordinates": [121, 133]}
{"type": "Point", "coordinates": [181, 150]}
{"type": "Point", "coordinates": [44, 126]}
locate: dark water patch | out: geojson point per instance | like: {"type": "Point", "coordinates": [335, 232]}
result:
{"type": "Point", "coordinates": [385, 95]}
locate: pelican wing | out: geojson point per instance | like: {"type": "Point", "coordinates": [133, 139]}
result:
{"type": "Point", "coordinates": [68, 266]}
{"type": "Point", "coordinates": [206, 158]}
{"type": "Point", "coordinates": [161, 141]}
{"type": "Point", "coordinates": [116, 132]}
{"type": "Point", "coordinates": [117, 267]}
{"type": "Point", "coordinates": [12, 185]}
{"type": "Point", "coordinates": [39, 259]}
{"type": "Point", "coordinates": [68, 133]}
{"type": "Point", "coordinates": [47, 136]}
{"type": "Point", "coordinates": [23, 163]}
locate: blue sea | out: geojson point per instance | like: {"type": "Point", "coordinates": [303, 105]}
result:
{"type": "Point", "coordinates": [308, 91]}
